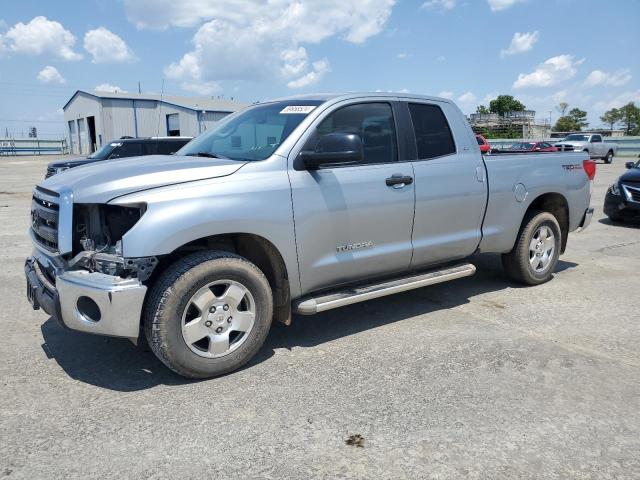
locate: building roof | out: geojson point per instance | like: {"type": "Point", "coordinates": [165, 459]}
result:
{"type": "Point", "coordinates": [209, 104]}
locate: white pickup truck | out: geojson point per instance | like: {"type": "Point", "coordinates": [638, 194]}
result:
{"type": "Point", "coordinates": [592, 143]}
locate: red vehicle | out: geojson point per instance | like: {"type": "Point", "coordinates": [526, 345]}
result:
{"type": "Point", "coordinates": [532, 147]}
{"type": "Point", "coordinates": [484, 145]}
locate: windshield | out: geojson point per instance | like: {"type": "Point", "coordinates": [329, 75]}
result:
{"type": "Point", "coordinates": [577, 138]}
{"type": "Point", "coordinates": [252, 134]}
{"type": "Point", "coordinates": [104, 151]}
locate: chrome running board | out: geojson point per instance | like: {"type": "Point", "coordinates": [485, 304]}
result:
{"type": "Point", "coordinates": [309, 306]}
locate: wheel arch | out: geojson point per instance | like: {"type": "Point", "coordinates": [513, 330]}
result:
{"type": "Point", "coordinates": [556, 204]}
{"type": "Point", "coordinates": [255, 248]}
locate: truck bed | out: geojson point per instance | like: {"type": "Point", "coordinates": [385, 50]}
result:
{"type": "Point", "coordinates": [516, 180]}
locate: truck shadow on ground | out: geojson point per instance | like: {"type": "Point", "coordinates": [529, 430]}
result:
{"type": "Point", "coordinates": [117, 364]}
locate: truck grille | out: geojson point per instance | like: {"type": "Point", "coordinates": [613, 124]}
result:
{"type": "Point", "coordinates": [634, 192]}
{"type": "Point", "coordinates": [44, 222]}
{"type": "Point", "coordinates": [564, 148]}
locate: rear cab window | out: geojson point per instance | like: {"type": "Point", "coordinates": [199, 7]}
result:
{"type": "Point", "coordinates": [433, 134]}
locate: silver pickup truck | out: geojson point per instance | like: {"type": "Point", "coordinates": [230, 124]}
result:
{"type": "Point", "coordinates": [298, 205]}
{"type": "Point", "coordinates": [591, 143]}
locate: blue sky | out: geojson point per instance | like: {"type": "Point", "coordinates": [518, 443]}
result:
{"type": "Point", "coordinates": [541, 51]}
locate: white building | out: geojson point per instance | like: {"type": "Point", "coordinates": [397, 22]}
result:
{"type": "Point", "coordinates": [94, 118]}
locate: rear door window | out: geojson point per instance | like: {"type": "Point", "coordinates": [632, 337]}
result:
{"type": "Point", "coordinates": [169, 147]}
{"type": "Point", "coordinates": [127, 149]}
{"type": "Point", "coordinates": [149, 148]}
{"type": "Point", "coordinates": [433, 135]}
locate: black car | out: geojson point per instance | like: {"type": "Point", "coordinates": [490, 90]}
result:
{"type": "Point", "coordinates": [125, 147]}
{"type": "Point", "coordinates": [622, 201]}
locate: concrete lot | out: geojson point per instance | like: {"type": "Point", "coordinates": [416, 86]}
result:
{"type": "Point", "coordinates": [477, 378]}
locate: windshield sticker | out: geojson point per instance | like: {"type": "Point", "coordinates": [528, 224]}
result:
{"type": "Point", "coordinates": [305, 109]}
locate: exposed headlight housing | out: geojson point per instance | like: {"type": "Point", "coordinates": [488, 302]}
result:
{"type": "Point", "coordinates": [100, 227]}
{"type": "Point", "coordinates": [614, 189]}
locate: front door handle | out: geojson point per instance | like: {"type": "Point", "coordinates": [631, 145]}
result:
{"type": "Point", "coordinates": [399, 181]}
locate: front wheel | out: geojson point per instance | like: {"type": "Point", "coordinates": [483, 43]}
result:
{"type": "Point", "coordinates": [208, 314]}
{"type": "Point", "coordinates": [537, 249]}
{"type": "Point", "coordinates": [609, 157]}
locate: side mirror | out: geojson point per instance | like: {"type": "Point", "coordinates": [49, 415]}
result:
{"type": "Point", "coordinates": [334, 149]}
{"type": "Point", "coordinates": [629, 164]}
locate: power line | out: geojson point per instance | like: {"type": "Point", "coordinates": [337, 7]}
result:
{"type": "Point", "coordinates": [27, 120]}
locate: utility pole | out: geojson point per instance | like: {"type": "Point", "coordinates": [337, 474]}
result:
{"type": "Point", "coordinates": [139, 90]}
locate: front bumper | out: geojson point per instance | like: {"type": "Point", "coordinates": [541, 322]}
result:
{"type": "Point", "coordinates": [615, 206]}
{"type": "Point", "coordinates": [89, 302]}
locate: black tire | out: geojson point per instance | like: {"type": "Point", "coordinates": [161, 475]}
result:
{"type": "Point", "coordinates": [516, 263]}
{"type": "Point", "coordinates": [615, 218]}
{"type": "Point", "coordinates": [609, 157]}
{"type": "Point", "coordinates": [168, 299]}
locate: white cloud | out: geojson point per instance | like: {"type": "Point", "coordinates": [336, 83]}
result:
{"type": "Point", "coordinates": [559, 96]}
{"type": "Point", "coordinates": [520, 43]}
{"type": "Point", "coordinates": [50, 74]}
{"type": "Point", "coordinates": [304, 20]}
{"type": "Point", "coordinates": [441, 58]}
{"type": "Point", "coordinates": [403, 55]}
{"type": "Point", "coordinates": [107, 47]}
{"type": "Point", "coordinates": [251, 40]}
{"type": "Point", "coordinates": [439, 4]}
{"type": "Point", "coordinates": [41, 36]}
{"type": "Point", "coordinates": [497, 5]}
{"type": "Point", "coordinates": [319, 69]}
{"type": "Point", "coordinates": [467, 97]}
{"type": "Point", "coordinates": [551, 72]}
{"type": "Point", "coordinates": [617, 101]}
{"type": "Point", "coordinates": [107, 87]}
{"type": "Point", "coordinates": [446, 94]}
{"type": "Point", "coordinates": [613, 79]}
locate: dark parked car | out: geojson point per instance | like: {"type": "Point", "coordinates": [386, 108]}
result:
{"type": "Point", "coordinates": [622, 201]}
{"type": "Point", "coordinates": [125, 147]}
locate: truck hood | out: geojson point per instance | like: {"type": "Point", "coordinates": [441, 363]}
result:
{"type": "Point", "coordinates": [572, 143]}
{"type": "Point", "coordinates": [100, 182]}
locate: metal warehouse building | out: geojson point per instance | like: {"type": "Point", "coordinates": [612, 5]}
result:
{"type": "Point", "coordinates": [94, 118]}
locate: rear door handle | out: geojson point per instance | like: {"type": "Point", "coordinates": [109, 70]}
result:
{"type": "Point", "coordinates": [399, 181]}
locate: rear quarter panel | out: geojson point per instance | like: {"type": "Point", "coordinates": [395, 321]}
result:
{"type": "Point", "coordinates": [539, 173]}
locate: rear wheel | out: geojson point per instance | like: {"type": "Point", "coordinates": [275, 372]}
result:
{"type": "Point", "coordinates": [609, 157]}
{"type": "Point", "coordinates": [208, 314]}
{"type": "Point", "coordinates": [537, 249]}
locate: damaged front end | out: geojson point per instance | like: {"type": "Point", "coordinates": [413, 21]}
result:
{"type": "Point", "coordinates": [97, 240]}
{"type": "Point", "coordinates": [78, 273]}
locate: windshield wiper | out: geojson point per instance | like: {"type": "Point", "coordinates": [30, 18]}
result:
{"type": "Point", "coordinates": [207, 155]}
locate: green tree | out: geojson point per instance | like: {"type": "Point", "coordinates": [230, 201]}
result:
{"type": "Point", "coordinates": [482, 109]}
{"type": "Point", "coordinates": [579, 117]}
{"type": "Point", "coordinates": [505, 103]}
{"type": "Point", "coordinates": [611, 117]}
{"type": "Point", "coordinates": [630, 119]}
{"type": "Point", "coordinates": [566, 124]}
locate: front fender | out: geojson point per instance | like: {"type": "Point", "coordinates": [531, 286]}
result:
{"type": "Point", "coordinates": [254, 200]}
